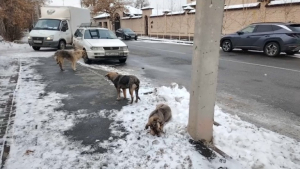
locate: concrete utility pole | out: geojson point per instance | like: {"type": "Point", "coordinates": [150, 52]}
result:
{"type": "Point", "coordinates": [208, 27]}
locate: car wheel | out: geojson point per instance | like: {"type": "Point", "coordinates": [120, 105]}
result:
{"type": "Point", "coordinates": [124, 37]}
{"type": "Point", "coordinates": [36, 48]}
{"type": "Point", "coordinates": [227, 46]}
{"type": "Point", "coordinates": [272, 49]}
{"type": "Point", "coordinates": [245, 50]}
{"type": "Point", "coordinates": [62, 45]}
{"type": "Point", "coordinates": [86, 58]}
{"type": "Point", "coordinates": [122, 60]}
{"type": "Point", "coordinates": [135, 38]}
{"type": "Point", "coordinates": [290, 52]}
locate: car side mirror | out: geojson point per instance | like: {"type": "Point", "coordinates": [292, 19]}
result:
{"type": "Point", "coordinates": [240, 33]}
{"type": "Point", "coordinates": [64, 29]}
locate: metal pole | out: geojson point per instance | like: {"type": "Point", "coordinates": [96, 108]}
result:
{"type": "Point", "coordinates": [208, 26]}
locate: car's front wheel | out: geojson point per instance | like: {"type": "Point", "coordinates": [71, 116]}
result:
{"type": "Point", "coordinates": [290, 52]}
{"type": "Point", "coordinates": [86, 58]}
{"type": "Point", "coordinates": [62, 45]}
{"type": "Point", "coordinates": [124, 37]}
{"type": "Point", "coordinates": [122, 60]}
{"type": "Point", "coordinates": [227, 46]}
{"type": "Point", "coordinates": [272, 49]}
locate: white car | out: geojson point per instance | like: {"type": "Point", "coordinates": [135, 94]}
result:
{"type": "Point", "coordinates": [100, 44]}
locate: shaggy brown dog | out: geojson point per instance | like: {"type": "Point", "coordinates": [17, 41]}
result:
{"type": "Point", "coordinates": [158, 118]}
{"type": "Point", "coordinates": [72, 56]}
{"type": "Point", "coordinates": [125, 82]}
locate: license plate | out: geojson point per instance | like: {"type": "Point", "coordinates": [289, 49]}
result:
{"type": "Point", "coordinates": [112, 54]}
{"type": "Point", "coordinates": [37, 41]}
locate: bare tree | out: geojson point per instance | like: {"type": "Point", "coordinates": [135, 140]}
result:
{"type": "Point", "coordinates": [14, 17]}
{"type": "Point", "coordinates": [141, 3]}
{"type": "Point", "coordinates": [106, 6]}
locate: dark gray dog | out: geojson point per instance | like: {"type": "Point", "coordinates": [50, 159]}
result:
{"type": "Point", "coordinates": [125, 82]}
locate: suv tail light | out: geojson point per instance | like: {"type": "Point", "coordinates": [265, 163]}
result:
{"type": "Point", "coordinates": [294, 35]}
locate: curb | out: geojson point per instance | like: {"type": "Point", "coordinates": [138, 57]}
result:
{"type": "Point", "coordinates": [9, 111]}
{"type": "Point", "coordinates": [162, 40]}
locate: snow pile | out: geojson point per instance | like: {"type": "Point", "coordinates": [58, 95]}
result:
{"type": "Point", "coordinates": [139, 149]}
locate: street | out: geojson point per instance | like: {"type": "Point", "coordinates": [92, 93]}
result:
{"type": "Point", "coordinates": [54, 119]}
{"type": "Point", "coordinates": [261, 90]}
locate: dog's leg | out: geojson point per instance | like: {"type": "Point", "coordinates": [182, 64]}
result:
{"type": "Point", "coordinates": [61, 64]}
{"type": "Point", "coordinates": [118, 90]}
{"type": "Point", "coordinates": [131, 94]}
{"type": "Point", "coordinates": [124, 93]}
{"type": "Point", "coordinates": [136, 89]}
{"type": "Point", "coordinates": [152, 132]}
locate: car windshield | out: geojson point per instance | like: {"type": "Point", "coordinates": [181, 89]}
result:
{"type": "Point", "coordinates": [128, 30]}
{"type": "Point", "coordinates": [99, 34]}
{"type": "Point", "coordinates": [295, 27]}
{"type": "Point", "coordinates": [47, 24]}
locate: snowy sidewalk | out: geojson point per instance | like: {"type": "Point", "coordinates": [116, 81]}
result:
{"type": "Point", "coordinates": [71, 120]}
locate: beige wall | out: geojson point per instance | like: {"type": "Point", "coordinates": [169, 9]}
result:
{"type": "Point", "coordinates": [183, 25]}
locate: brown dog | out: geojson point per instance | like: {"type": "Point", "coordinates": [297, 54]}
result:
{"type": "Point", "coordinates": [72, 56]}
{"type": "Point", "coordinates": [125, 82]}
{"type": "Point", "coordinates": [158, 118]}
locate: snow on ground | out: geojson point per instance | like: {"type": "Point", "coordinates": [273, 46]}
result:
{"type": "Point", "coordinates": [39, 127]}
{"type": "Point", "coordinates": [251, 146]}
{"type": "Point", "coordinates": [13, 50]}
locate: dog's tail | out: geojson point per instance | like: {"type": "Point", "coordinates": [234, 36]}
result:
{"type": "Point", "coordinates": [137, 83]}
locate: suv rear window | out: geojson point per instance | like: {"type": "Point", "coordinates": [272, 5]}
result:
{"type": "Point", "coordinates": [295, 27]}
{"type": "Point", "coordinates": [263, 28]}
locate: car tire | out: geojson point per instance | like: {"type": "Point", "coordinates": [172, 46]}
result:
{"type": "Point", "coordinates": [290, 52]}
{"type": "Point", "coordinates": [86, 59]}
{"type": "Point", "coordinates": [135, 38]}
{"type": "Point", "coordinates": [122, 60]}
{"type": "Point", "coordinates": [36, 48]}
{"type": "Point", "coordinates": [272, 49]}
{"type": "Point", "coordinates": [124, 37]}
{"type": "Point", "coordinates": [227, 46]}
{"type": "Point", "coordinates": [62, 45]}
{"type": "Point", "coordinates": [245, 50]}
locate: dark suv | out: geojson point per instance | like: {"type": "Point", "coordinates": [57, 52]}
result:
{"type": "Point", "coordinates": [272, 38]}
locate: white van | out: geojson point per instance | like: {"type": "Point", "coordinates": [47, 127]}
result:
{"type": "Point", "coordinates": [57, 26]}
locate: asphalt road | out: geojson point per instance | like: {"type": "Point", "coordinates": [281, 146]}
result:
{"type": "Point", "coordinates": [260, 89]}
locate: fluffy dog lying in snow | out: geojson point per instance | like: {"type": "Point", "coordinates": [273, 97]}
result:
{"type": "Point", "coordinates": [158, 118]}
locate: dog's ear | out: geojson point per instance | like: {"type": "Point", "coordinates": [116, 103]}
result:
{"type": "Point", "coordinates": [107, 75]}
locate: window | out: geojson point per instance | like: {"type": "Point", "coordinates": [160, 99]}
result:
{"type": "Point", "coordinates": [78, 33]}
{"type": "Point", "coordinates": [47, 24]}
{"type": "Point", "coordinates": [100, 24]}
{"type": "Point", "coordinates": [99, 34]}
{"type": "Point", "coordinates": [276, 28]}
{"type": "Point", "coordinates": [248, 29]}
{"type": "Point", "coordinates": [64, 24]}
{"type": "Point", "coordinates": [105, 25]}
{"type": "Point", "coordinates": [264, 28]}
{"type": "Point", "coordinates": [295, 27]}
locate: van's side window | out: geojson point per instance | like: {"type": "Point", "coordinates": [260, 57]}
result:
{"type": "Point", "coordinates": [64, 24]}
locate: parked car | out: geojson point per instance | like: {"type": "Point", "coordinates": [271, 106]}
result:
{"type": "Point", "coordinates": [271, 38]}
{"type": "Point", "coordinates": [56, 26]}
{"type": "Point", "coordinates": [126, 33]}
{"type": "Point", "coordinates": [100, 44]}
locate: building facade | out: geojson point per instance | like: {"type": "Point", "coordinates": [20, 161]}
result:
{"type": "Point", "coordinates": [180, 25]}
